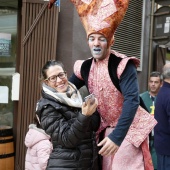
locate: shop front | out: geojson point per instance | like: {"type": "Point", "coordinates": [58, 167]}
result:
{"type": "Point", "coordinates": [25, 45]}
{"type": "Point", "coordinates": [8, 46]}
{"type": "Point", "coordinates": [31, 34]}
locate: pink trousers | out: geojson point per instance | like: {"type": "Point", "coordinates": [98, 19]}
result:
{"type": "Point", "coordinates": [128, 157]}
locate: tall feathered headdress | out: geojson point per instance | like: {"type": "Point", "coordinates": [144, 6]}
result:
{"type": "Point", "coordinates": [101, 16]}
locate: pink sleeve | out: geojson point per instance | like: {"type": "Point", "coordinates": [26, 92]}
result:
{"type": "Point", "coordinates": [43, 152]}
{"type": "Point", "coordinates": [77, 68]}
{"type": "Point", "coordinates": [125, 59]}
{"type": "Point", "coordinates": [141, 126]}
{"type": "Point", "coordinates": [123, 63]}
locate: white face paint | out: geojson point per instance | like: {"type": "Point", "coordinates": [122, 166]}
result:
{"type": "Point", "coordinates": [98, 46]}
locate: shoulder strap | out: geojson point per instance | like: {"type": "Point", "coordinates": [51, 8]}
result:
{"type": "Point", "coordinates": [112, 67]}
{"type": "Point", "coordinates": [85, 69]}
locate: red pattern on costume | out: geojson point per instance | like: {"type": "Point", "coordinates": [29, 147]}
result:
{"type": "Point", "coordinates": [97, 22]}
{"type": "Point", "coordinates": [147, 157]}
{"type": "Point", "coordinates": [110, 108]}
{"type": "Point", "coordinates": [127, 157]}
{"type": "Point", "coordinates": [77, 65]}
{"type": "Point", "coordinates": [123, 63]}
{"type": "Point", "coordinates": [86, 1]}
{"type": "Point", "coordinates": [140, 128]}
{"type": "Point", "coordinates": [102, 87]}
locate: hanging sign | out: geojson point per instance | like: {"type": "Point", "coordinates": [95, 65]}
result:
{"type": "Point", "coordinates": [5, 45]}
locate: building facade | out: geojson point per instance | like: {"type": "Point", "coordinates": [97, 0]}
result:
{"type": "Point", "coordinates": [31, 34]}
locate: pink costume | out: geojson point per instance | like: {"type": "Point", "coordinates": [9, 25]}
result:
{"type": "Point", "coordinates": [101, 85]}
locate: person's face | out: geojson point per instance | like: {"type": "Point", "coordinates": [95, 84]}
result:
{"type": "Point", "coordinates": [154, 85]}
{"type": "Point", "coordinates": [57, 78]}
{"type": "Point", "coordinates": [98, 46]}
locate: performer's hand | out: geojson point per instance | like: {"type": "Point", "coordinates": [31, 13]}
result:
{"type": "Point", "coordinates": [108, 147]}
{"type": "Point", "coordinates": [51, 3]}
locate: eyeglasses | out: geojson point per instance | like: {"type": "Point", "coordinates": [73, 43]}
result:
{"type": "Point", "coordinates": [53, 79]}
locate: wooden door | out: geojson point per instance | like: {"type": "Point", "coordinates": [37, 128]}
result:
{"type": "Point", "coordinates": [159, 58]}
{"type": "Point", "coordinates": [38, 44]}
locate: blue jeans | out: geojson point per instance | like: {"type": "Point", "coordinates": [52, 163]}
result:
{"type": "Point", "coordinates": [163, 162]}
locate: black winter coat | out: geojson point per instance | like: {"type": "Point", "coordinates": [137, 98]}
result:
{"type": "Point", "coordinates": [72, 135]}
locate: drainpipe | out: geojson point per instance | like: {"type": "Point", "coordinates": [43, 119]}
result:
{"type": "Point", "coordinates": [150, 40]}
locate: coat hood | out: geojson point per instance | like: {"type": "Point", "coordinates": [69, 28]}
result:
{"type": "Point", "coordinates": [35, 135]}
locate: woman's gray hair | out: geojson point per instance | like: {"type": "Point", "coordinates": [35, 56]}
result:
{"type": "Point", "coordinates": [166, 71]}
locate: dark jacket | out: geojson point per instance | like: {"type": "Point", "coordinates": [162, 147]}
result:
{"type": "Point", "coordinates": [162, 115]}
{"type": "Point", "coordinates": [72, 135]}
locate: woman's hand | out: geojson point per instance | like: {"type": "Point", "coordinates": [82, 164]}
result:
{"type": "Point", "coordinates": [88, 108]}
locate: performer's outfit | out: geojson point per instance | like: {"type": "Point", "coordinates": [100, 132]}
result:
{"type": "Point", "coordinates": [118, 110]}
{"type": "Point", "coordinates": [111, 109]}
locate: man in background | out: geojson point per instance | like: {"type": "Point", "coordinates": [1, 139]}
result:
{"type": "Point", "coordinates": [149, 99]}
{"type": "Point", "coordinates": [162, 115]}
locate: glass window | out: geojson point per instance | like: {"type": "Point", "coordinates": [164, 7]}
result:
{"type": "Point", "coordinates": [8, 48]}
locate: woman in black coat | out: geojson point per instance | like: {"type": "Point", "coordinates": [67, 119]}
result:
{"type": "Point", "coordinates": [69, 121]}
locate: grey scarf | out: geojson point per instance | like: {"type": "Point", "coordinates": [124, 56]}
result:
{"type": "Point", "coordinates": [71, 97]}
